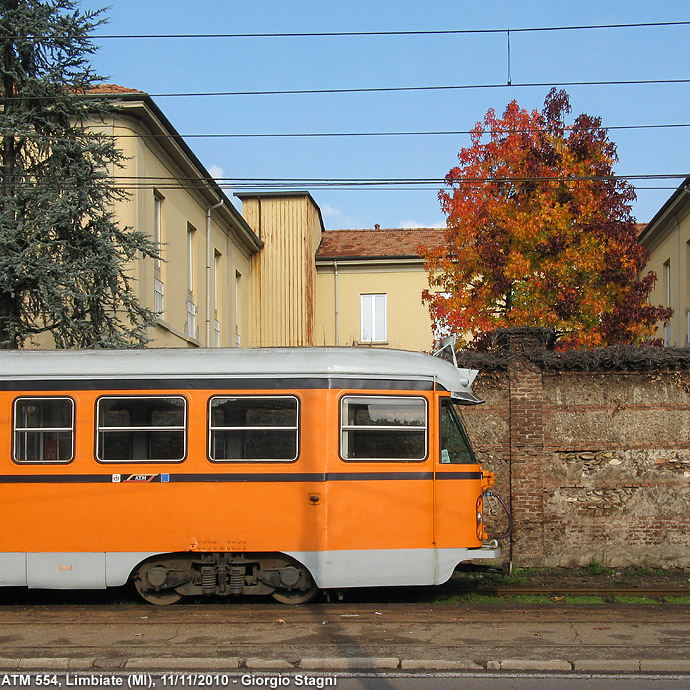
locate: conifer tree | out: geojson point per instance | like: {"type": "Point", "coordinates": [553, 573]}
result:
{"type": "Point", "coordinates": [63, 258]}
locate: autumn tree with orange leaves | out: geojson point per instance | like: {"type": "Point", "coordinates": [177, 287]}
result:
{"type": "Point", "coordinates": [540, 233]}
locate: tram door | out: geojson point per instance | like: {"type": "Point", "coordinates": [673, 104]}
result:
{"type": "Point", "coordinates": [457, 484]}
{"type": "Point", "coordinates": [380, 489]}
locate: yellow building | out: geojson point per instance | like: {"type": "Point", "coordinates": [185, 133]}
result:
{"type": "Point", "coordinates": [272, 275]}
{"type": "Point", "coordinates": [369, 288]}
{"type": "Point", "coordinates": [283, 290]}
{"type": "Point", "coordinates": [667, 236]}
{"type": "Point", "coordinates": [200, 290]}
{"type": "Point", "coordinates": [334, 287]}
{"type": "Point", "coordinates": [267, 277]}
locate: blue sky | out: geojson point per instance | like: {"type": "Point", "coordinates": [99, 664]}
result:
{"type": "Point", "coordinates": [184, 65]}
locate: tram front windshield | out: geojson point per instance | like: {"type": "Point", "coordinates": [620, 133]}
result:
{"type": "Point", "coordinates": [455, 446]}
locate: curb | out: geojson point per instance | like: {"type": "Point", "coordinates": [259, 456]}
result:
{"type": "Point", "coordinates": [351, 664]}
{"type": "Point", "coordinates": [343, 664]}
{"type": "Point", "coordinates": [594, 665]}
{"type": "Point", "coordinates": [549, 665]}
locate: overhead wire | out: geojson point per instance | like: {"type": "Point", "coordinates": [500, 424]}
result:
{"type": "Point", "coordinates": [125, 182]}
{"type": "Point", "coordinates": [373, 33]}
{"type": "Point", "coordinates": [377, 89]}
{"type": "Point", "coordinates": [236, 183]}
{"type": "Point", "coordinates": [288, 135]}
{"type": "Point", "coordinates": [283, 92]}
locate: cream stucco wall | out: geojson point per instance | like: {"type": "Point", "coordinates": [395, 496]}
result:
{"type": "Point", "coordinates": [282, 290]}
{"type": "Point", "coordinates": [253, 279]}
{"type": "Point", "coordinates": [402, 281]}
{"type": "Point", "coordinates": [218, 267]}
{"type": "Point", "coordinates": [669, 246]}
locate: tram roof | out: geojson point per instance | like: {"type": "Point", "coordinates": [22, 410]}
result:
{"type": "Point", "coordinates": [259, 363]}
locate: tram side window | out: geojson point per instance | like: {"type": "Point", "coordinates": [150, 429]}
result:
{"type": "Point", "coordinates": [455, 446]}
{"type": "Point", "coordinates": [383, 428]}
{"type": "Point", "coordinates": [43, 430]}
{"type": "Point", "coordinates": [254, 429]}
{"type": "Point", "coordinates": [142, 428]}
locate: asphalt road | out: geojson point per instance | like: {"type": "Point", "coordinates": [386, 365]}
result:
{"type": "Point", "coordinates": [485, 681]}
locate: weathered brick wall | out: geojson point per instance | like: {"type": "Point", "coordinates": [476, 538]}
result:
{"type": "Point", "coordinates": [595, 462]}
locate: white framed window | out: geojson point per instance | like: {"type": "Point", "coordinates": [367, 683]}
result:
{"type": "Point", "coordinates": [158, 224]}
{"type": "Point", "coordinates": [216, 280]}
{"type": "Point", "coordinates": [441, 329]}
{"type": "Point", "coordinates": [191, 236]}
{"type": "Point", "coordinates": [249, 428]}
{"type": "Point", "coordinates": [158, 298]}
{"type": "Point", "coordinates": [43, 430]}
{"type": "Point", "coordinates": [383, 428]}
{"type": "Point", "coordinates": [374, 319]}
{"type": "Point", "coordinates": [190, 325]}
{"type": "Point", "coordinates": [216, 298]}
{"type": "Point", "coordinates": [141, 428]}
{"type": "Point", "coordinates": [158, 286]}
{"type": "Point", "coordinates": [238, 280]}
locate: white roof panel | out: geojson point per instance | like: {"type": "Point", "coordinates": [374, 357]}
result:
{"type": "Point", "coordinates": [297, 362]}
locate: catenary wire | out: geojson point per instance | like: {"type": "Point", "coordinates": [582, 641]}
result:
{"type": "Point", "coordinates": [288, 135]}
{"type": "Point", "coordinates": [339, 34]}
{"type": "Point", "coordinates": [382, 89]}
{"type": "Point", "coordinates": [143, 182]}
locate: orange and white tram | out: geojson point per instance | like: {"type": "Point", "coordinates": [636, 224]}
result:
{"type": "Point", "coordinates": [244, 471]}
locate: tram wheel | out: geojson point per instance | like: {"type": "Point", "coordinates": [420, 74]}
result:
{"type": "Point", "coordinates": [295, 596]}
{"type": "Point", "coordinates": [163, 597]}
{"type": "Point", "coordinates": [150, 581]}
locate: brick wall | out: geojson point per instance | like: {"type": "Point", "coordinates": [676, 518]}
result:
{"type": "Point", "coordinates": [594, 461]}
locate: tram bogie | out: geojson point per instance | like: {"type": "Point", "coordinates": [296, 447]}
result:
{"type": "Point", "coordinates": [169, 578]}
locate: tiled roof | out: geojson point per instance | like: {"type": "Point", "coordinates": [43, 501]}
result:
{"type": "Point", "coordinates": [113, 88]}
{"type": "Point", "coordinates": [384, 243]}
{"type": "Point", "coordinates": [108, 89]}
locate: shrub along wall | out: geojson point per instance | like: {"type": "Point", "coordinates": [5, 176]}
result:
{"type": "Point", "coordinates": [592, 450]}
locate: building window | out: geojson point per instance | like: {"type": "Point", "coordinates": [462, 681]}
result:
{"type": "Point", "coordinates": [158, 298]}
{"type": "Point", "coordinates": [667, 280]}
{"type": "Point", "coordinates": [158, 287]}
{"type": "Point", "coordinates": [158, 225]}
{"type": "Point", "coordinates": [238, 279]}
{"type": "Point", "coordinates": [141, 428]}
{"type": "Point", "coordinates": [43, 430]}
{"type": "Point", "coordinates": [383, 428]}
{"type": "Point", "coordinates": [250, 428]}
{"type": "Point", "coordinates": [216, 298]}
{"type": "Point", "coordinates": [191, 237]}
{"type": "Point", "coordinates": [190, 328]}
{"type": "Point", "coordinates": [373, 308]}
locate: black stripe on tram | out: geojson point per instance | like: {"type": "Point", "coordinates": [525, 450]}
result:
{"type": "Point", "coordinates": [56, 479]}
{"type": "Point", "coordinates": [235, 477]}
{"type": "Point", "coordinates": [373, 476]}
{"type": "Point", "coordinates": [245, 477]}
{"type": "Point", "coordinates": [217, 384]}
{"type": "Point", "coordinates": [459, 475]}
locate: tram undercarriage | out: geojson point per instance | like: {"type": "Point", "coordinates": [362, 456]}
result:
{"type": "Point", "coordinates": [167, 579]}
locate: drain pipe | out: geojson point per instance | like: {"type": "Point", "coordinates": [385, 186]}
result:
{"type": "Point", "coordinates": [209, 263]}
{"type": "Point", "coordinates": [335, 273]}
